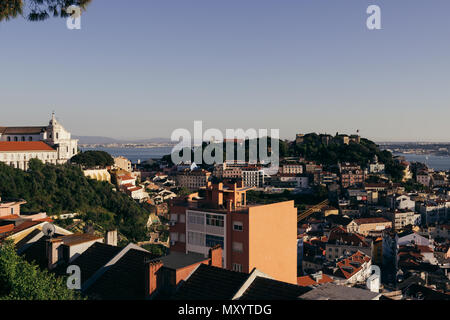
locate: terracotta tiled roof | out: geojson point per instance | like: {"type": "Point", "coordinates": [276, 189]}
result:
{"type": "Point", "coordinates": [370, 220]}
{"type": "Point", "coordinates": [22, 130]}
{"type": "Point", "coordinates": [10, 217]}
{"type": "Point", "coordinates": [128, 185]}
{"type": "Point", "coordinates": [339, 234]}
{"type": "Point", "coordinates": [308, 280]}
{"type": "Point", "coordinates": [77, 238]}
{"type": "Point", "coordinates": [25, 225]}
{"type": "Point", "coordinates": [126, 177]}
{"type": "Point", "coordinates": [10, 146]}
{"type": "Point", "coordinates": [6, 228]}
{"type": "Point", "coordinates": [352, 265]}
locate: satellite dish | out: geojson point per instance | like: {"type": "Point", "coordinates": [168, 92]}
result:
{"type": "Point", "coordinates": [48, 229]}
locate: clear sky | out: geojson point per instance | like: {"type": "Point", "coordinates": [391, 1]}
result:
{"type": "Point", "coordinates": [142, 68]}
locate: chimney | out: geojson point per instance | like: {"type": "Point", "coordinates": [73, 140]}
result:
{"type": "Point", "coordinates": [215, 255]}
{"type": "Point", "coordinates": [318, 276]}
{"type": "Point", "coordinates": [151, 277]}
{"type": "Point", "coordinates": [229, 205]}
{"type": "Point", "coordinates": [111, 238]}
{"type": "Point", "coordinates": [52, 252]}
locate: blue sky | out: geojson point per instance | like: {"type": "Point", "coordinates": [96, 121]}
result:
{"type": "Point", "coordinates": [142, 68]}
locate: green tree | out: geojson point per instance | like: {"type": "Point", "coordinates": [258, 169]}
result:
{"type": "Point", "coordinates": [20, 280]}
{"type": "Point", "coordinates": [91, 159]}
{"type": "Point", "coordinates": [38, 10]}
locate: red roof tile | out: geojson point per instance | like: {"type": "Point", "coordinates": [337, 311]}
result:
{"type": "Point", "coordinates": [6, 146]}
{"type": "Point", "coordinates": [308, 280]}
{"type": "Point", "coordinates": [10, 217]}
{"type": "Point", "coordinates": [6, 228]}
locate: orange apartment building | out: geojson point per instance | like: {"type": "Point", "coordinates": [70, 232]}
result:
{"type": "Point", "coordinates": [252, 236]}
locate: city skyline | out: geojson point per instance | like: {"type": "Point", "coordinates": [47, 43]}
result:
{"type": "Point", "coordinates": [301, 67]}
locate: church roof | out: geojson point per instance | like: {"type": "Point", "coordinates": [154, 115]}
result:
{"type": "Point", "coordinates": [22, 130]}
{"type": "Point", "coordinates": [24, 146]}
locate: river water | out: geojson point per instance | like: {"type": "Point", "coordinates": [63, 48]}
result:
{"type": "Point", "coordinates": [135, 154]}
{"type": "Point", "coordinates": [432, 161]}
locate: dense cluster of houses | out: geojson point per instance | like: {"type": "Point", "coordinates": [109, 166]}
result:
{"type": "Point", "coordinates": [368, 240]}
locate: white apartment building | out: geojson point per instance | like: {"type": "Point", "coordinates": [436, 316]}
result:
{"type": "Point", "coordinates": [193, 180]}
{"type": "Point", "coordinates": [434, 211]}
{"type": "Point", "coordinates": [253, 177]}
{"type": "Point", "coordinates": [402, 202]}
{"type": "Point", "coordinates": [402, 218]}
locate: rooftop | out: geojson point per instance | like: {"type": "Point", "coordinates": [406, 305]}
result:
{"type": "Point", "coordinates": [269, 289]}
{"type": "Point", "coordinates": [14, 146]}
{"type": "Point", "coordinates": [78, 238]}
{"type": "Point", "coordinates": [211, 283]}
{"type": "Point", "coordinates": [177, 260]}
{"type": "Point", "coordinates": [22, 130]}
{"type": "Point", "coordinates": [330, 291]}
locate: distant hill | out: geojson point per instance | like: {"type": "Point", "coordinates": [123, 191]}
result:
{"type": "Point", "coordinates": [106, 140]}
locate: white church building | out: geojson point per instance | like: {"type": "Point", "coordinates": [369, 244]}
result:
{"type": "Point", "coordinates": [50, 144]}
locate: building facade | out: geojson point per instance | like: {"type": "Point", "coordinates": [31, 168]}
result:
{"type": "Point", "coordinates": [50, 144]}
{"type": "Point", "coordinates": [193, 180]}
{"type": "Point", "coordinates": [257, 236]}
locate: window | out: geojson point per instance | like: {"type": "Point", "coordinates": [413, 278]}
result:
{"type": "Point", "coordinates": [196, 239]}
{"type": "Point", "coordinates": [238, 247]}
{"type": "Point", "coordinates": [182, 218]}
{"type": "Point", "coordinates": [212, 220]}
{"type": "Point", "coordinates": [174, 236]}
{"type": "Point", "coordinates": [30, 139]}
{"type": "Point", "coordinates": [212, 241]}
{"type": "Point", "coordinates": [237, 267]}
{"type": "Point", "coordinates": [194, 218]}
{"type": "Point", "coordinates": [237, 226]}
{"type": "Point", "coordinates": [12, 210]}
{"type": "Point", "coordinates": [182, 237]}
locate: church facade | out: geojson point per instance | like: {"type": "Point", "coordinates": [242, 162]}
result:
{"type": "Point", "coordinates": [50, 144]}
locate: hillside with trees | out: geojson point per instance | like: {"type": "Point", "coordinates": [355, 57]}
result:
{"type": "Point", "coordinates": [315, 147]}
{"type": "Point", "coordinates": [58, 189]}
